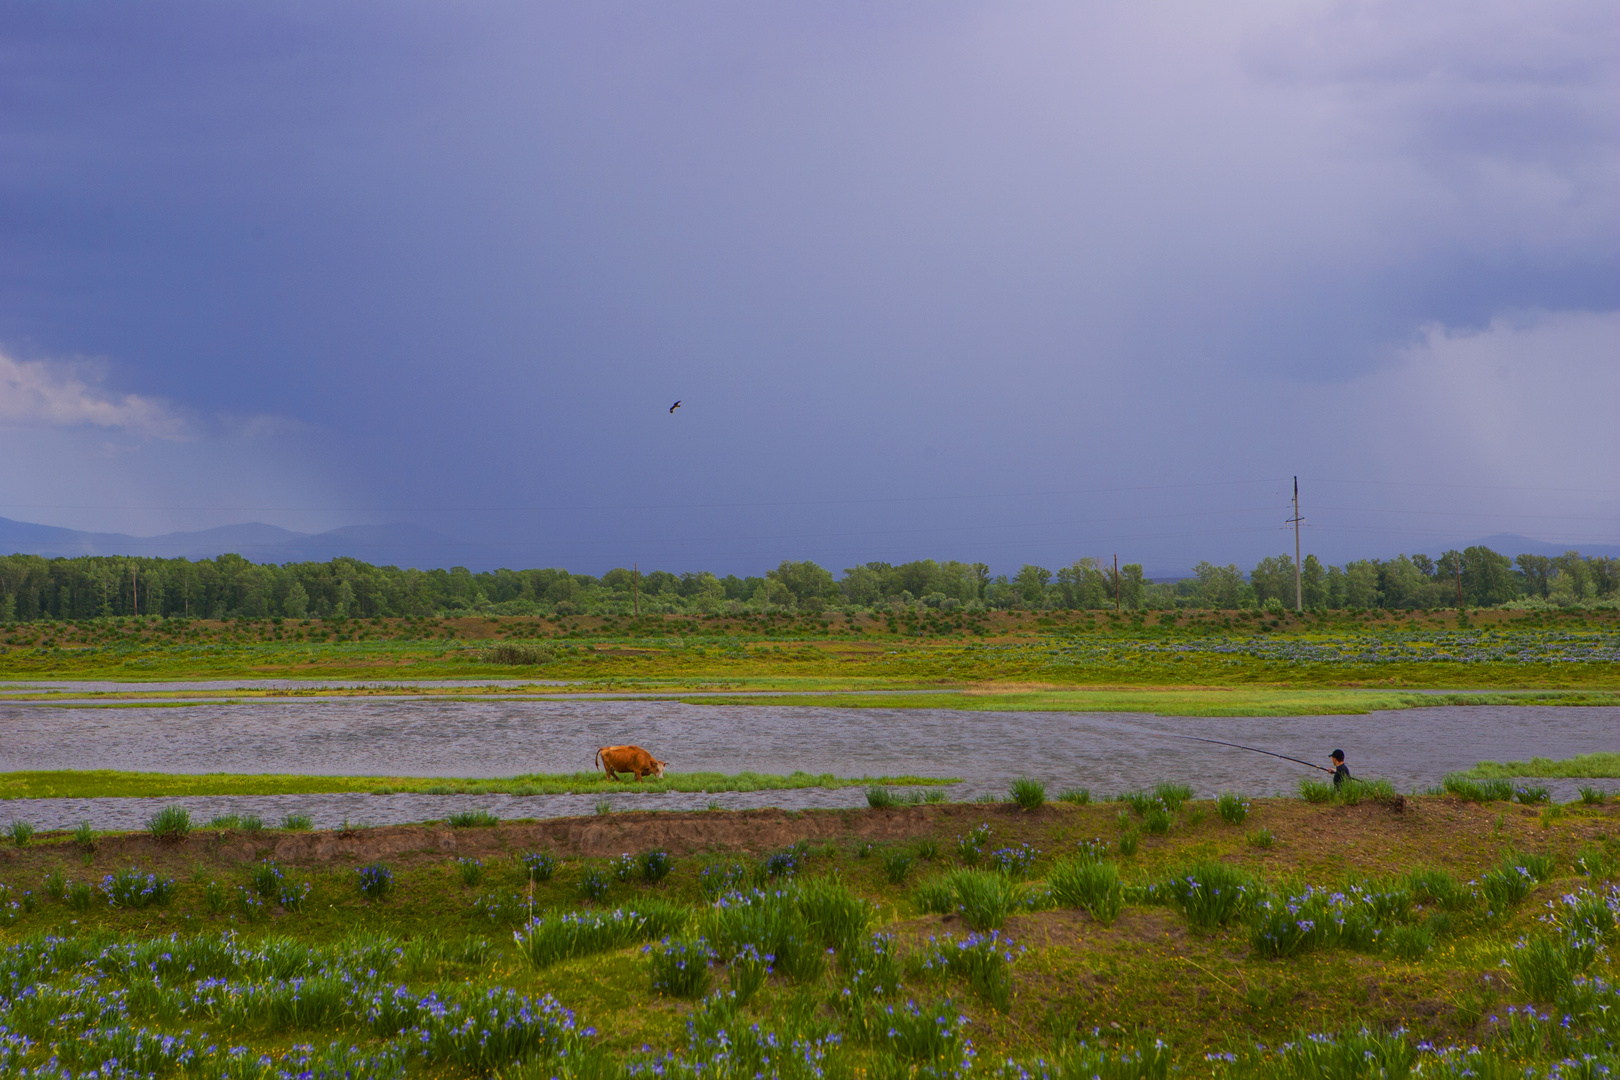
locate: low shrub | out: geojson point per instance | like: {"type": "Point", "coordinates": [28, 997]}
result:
{"type": "Point", "coordinates": [515, 653]}
{"type": "Point", "coordinates": [680, 967]}
{"type": "Point", "coordinates": [1233, 809]}
{"type": "Point", "coordinates": [1088, 883]}
{"type": "Point", "coordinates": [376, 881]}
{"type": "Point", "coordinates": [1028, 794]}
{"type": "Point", "coordinates": [472, 819]}
{"type": "Point", "coordinates": [170, 824]}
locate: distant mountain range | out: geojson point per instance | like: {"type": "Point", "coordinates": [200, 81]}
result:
{"type": "Point", "coordinates": [400, 544]}
{"type": "Point", "coordinates": [404, 544]}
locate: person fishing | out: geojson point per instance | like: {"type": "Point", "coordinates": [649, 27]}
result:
{"type": "Point", "coordinates": [1340, 772]}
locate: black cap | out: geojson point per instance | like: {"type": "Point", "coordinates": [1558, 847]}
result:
{"type": "Point", "coordinates": [1337, 755]}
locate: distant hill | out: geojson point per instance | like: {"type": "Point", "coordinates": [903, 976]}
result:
{"type": "Point", "coordinates": [400, 544]}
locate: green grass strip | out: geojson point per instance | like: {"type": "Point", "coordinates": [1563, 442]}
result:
{"type": "Point", "coordinates": [1599, 765]}
{"type": "Point", "coordinates": [1201, 702]}
{"type": "Point", "coordinates": [106, 783]}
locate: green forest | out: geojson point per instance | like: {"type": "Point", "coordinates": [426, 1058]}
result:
{"type": "Point", "coordinates": [34, 587]}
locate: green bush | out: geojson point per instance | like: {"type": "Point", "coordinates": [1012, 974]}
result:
{"type": "Point", "coordinates": [133, 889]}
{"type": "Point", "coordinates": [746, 972]}
{"type": "Point", "coordinates": [1128, 841]}
{"type": "Point", "coordinates": [85, 836]}
{"type": "Point", "coordinates": [1157, 821]}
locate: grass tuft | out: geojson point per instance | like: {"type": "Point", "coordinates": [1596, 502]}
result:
{"type": "Point", "coordinates": [170, 824]}
{"type": "Point", "coordinates": [1028, 794]}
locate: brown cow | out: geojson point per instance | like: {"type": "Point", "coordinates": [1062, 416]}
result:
{"type": "Point", "coordinates": [630, 759]}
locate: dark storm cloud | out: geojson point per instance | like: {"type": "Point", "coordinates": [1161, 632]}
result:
{"type": "Point", "coordinates": [434, 257]}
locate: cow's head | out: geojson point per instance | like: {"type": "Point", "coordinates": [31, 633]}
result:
{"type": "Point", "coordinates": [658, 768]}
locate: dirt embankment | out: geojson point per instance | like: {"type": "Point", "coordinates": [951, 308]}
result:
{"type": "Point", "coordinates": [1369, 838]}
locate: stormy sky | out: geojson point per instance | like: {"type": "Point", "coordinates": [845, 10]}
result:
{"type": "Point", "coordinates": [1001, 282]}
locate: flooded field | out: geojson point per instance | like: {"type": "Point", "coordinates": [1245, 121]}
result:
{"type": "Point", "coordinates": [1104, 752]}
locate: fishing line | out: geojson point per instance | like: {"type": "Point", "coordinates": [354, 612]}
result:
{"type": "Point", "coordinates": [1240, 746]}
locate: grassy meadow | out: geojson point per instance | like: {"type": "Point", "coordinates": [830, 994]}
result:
{"type": "Point", "coordinates": [1047, 934]}
{"type": "Point", "coordinates": [1207, 661]}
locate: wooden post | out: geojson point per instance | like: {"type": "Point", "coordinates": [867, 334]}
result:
{"type": "Point", "coordinates": [1116, 584]}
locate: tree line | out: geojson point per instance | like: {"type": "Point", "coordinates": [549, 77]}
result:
{"type": "Point", "coordinates": [87, 587]}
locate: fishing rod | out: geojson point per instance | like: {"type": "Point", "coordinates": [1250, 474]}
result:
{"type": "Point", "coordinates": [1251, 749]}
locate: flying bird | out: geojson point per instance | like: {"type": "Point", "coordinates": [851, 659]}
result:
{"type": "Point", "coordinates": [675, 406]}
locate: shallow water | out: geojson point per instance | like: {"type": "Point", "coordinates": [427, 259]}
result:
{"type": "Point", "coordinates": [1105, 752]}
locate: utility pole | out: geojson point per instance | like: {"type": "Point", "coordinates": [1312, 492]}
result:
{"type": "Point", "coordinates": [134, 591]}
{"type": "Point", "coordinates": [1459, 583]}
{"type": "Point", "coordinates": [1299, 590]}
{"type": "Point", "coordinates": [1116, 584]}
{"type": "Point", "coordinates": [635, 588]}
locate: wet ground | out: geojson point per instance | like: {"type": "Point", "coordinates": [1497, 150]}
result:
{"type": "Point", "coordinates": [1104, 752]}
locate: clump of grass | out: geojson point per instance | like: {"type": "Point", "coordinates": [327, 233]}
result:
{"type": "Point", "coordinates": [1209, 894]}
{"type": "Point", "coordinates": [21, 832]}
{"type": "Point", "coordinates": [1157, 821]}
{"type": "Point", "coordinates": [1172, 796]}
{"type": "Point", "coordinates": [777, 926]}
{"type": "Point", "coordinates": [1139, 801]}
{"type": "Point", "coordinates": [55, 885]}
{"type": "Point", "coordinates": [538, 865]}
{"type": "Point", "coordinates": [717, 879]}
{"type": "Point", "coordinates": [1592, 796]}
{"type": "Point", "coordinates": [170, 824]}
{"type": "Point", "coordinates": [1315, 791]}
{"type": "Point", "coordinates": [85, 837]}
{"type": "Point", "coordinates": [970, 846]}
{"type": "Point", "coordinates": [78, 895]}
{"type": "Point", "coordinates": [266, 879]}
{"type": "Point", "coordinates": [680, 967]}
{"type": "Point", "coordinates": [471, 871]}
{"type": "Point", "coordinates": [472, 819]}
{"type": "Point", "coordinates": [1091, 884]}
{"type": "Point", "coordinates": [784, 863]}
{"type": "Point", "coordinates": [1129, 840]}
{"type": "Point", "coordinates": [983, 899]}
{"type": "Point", "coordinates": [983, 961]}
{"type": "Point", "coordinates": [1233, 809]}
{"type": "Point", "coordinates": [297, 822]}
{"type": "Point", "coordinates": [1078, 796]}
{"type": "Point", "coordinates": [927, 848]}
{"type": "Point", "coordinates": [654, 866]}
{"type": "Point", "coordinates": [1431, 885]}
{"type": "Point", "coordinates": [1315, 918]}
{"type": "Point", "coordinates": [1531, 794]}
{"type": "Point", "coordinates": [747, 971]}
{"type": "Point", "coordinates": [1513, 880]}
{"type": "Point", "coordinates": [553, 937]}
{"type": "Point", "coordinates": [1015, 862]}
{"type": "Point", "coordinates": [376, 881]}
{"type": "Point", "coordinates": [1480, 791]}
{"type": "Point", "coordinates": [896, 865]}
{"type": "Point", "coordinates": [1028, 794]}
{"type": "Point", "coordinates": [881, 798]}
{"type": "Point", "coordinates": [1408, 942]}
{"type": "Point", "coordinates": [1545, 966]}
{"type": "Point", "coordinates": [594, 884]}
{"type": "Point", "coordinates": [603, 807]}
{"type": "Point", "coordinates": [133, 889]}
{"type": "Point", "coordinates": [1595, 862]}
